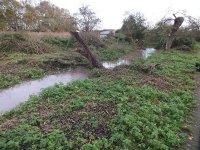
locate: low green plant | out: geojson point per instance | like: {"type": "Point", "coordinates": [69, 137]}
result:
{"type": "Point", "coordinates": [33, 73]}
{"type": "Point", "coordinates": [109, 54]}
{"type": "Point", "coordinates": [61, 42]}
{"type": "Point", "coordinates": [114, 111]}
{"type": "Point", "coordinates": [8, 80]}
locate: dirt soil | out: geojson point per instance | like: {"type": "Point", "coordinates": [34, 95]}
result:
{"type": "Point", "coordinates": [193, 142]}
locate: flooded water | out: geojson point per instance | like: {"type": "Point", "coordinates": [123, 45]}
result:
{"type": "Point", "coordinates": [10, 98]}
{"type": "Point", "coordinates": [143, 54]}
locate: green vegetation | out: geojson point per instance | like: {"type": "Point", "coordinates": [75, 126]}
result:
{"type": "Point", "coordinates": [61, 42]}
{"type": "Point", "coordinates": [26, 16]}
{"type": "Point", "coordinates": [27, 56]}
{"type": "Point", "coordinates": [109, 54]}
{"type": "Point", "coordinates": [21, 42]}
{"type": "Point", "coordinates": [113, 50]}
{"type": "Point", "coordinates": [123, 108]}
{"type": "Point", "coordinates": [17, 66]}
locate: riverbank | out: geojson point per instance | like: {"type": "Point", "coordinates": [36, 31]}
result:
{"type": "Point", "coordinates": [12, 97]}
{"type": "Point", "coordinates": [17, 66]}
{"type": "Point", "coordinates": [120, 108]}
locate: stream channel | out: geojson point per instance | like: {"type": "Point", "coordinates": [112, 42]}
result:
{"type": "Point", "coordinates": [12, 97]}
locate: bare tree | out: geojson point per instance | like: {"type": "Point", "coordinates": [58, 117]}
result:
{"type": "Point", "coordinates": [86, 19]}
{"type": "Point", "coordinates": [193, 23]}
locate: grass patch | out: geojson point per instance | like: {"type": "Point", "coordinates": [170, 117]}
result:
{"type": "Point", "coordinates": [7, 80]}
{"type": "Point", "coordinates": [109, 54]}
{"type": "Point", "coordinates": [113, 110]}
{"type": "Point", "coordinates": [61, 42]}
{"type": "Point", "coordinates": [114, 50]}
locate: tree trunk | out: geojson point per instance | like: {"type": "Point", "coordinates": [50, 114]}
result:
{"type": "Point", "coordinates": [177, 23]}
{"type": "Point", "coordinates": [87, 52]}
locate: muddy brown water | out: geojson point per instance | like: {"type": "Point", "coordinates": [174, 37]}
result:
{"type": "Point", "coordinates": [12, 97]}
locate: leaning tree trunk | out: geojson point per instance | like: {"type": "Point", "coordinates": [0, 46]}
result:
{"type": "Point", "coordinates": [177, 23]}
{"type": "Point", "coordinates": [86, 51]}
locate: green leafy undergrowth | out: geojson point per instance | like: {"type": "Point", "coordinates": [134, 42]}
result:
{"type": "Point", "coordinates": [110, 111]}
{"type": "Point", "coordinates": [61, 42]}
{"type": "Point", "coordinates": [7, 80]}
{"type": "Point", "coordinates": [109, 54]}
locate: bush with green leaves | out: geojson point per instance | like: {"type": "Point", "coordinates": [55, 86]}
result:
{"type": "Point", "coordinates": [183, 41]}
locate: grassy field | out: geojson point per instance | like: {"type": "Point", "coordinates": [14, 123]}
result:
{"type": "Point", "coordinates": [123, 108]}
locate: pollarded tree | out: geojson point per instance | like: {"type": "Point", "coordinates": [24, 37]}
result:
{"type": "Point", "coordinates": [86, 19]}
{"type": "Point", "coordinates": [172, 35]}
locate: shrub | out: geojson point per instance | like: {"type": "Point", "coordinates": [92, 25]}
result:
{"type": "Point", "coordinates": [120, 37]}
{"type": "Point", "coordinates": [61, 42]}
{"type": "Point", "coordinates": [183, 41]}
{"type": "Point", "coordinates": [21, 42]}
{"type": "Point", "coordinates": [92, 39]}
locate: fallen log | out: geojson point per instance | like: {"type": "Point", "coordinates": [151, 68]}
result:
{"type": "Point", "coordinates": [85, 51]}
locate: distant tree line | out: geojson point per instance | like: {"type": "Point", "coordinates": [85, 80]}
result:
{"type": "Point", "coordinates": [136, 30]}
{"type": "Point", "coordinates": [44, 16]}
{"type": "Point", "coordinates": [23, 15]}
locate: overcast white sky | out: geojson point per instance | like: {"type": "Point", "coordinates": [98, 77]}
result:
{"type": "Point", "coordinates": [111, 12]}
